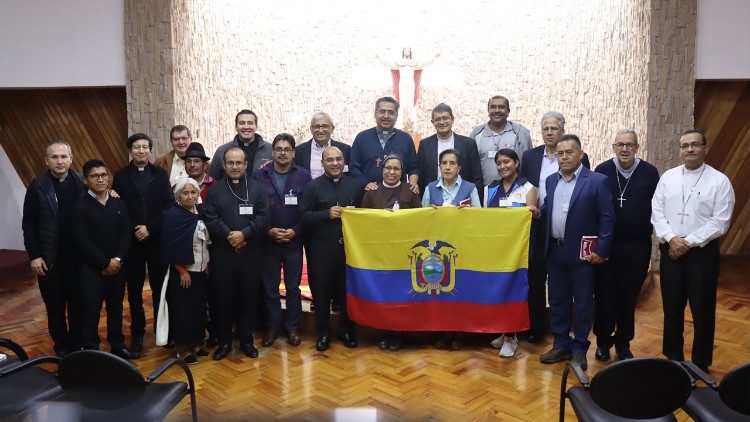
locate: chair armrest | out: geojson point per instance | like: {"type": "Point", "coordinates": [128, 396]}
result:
{"type": "Point", "coordinates": [582, 378]}
{"type": "Point", "coordinates": [4, 372]}
{"type": "Point", "coordinates": [168, 363]}
{"type": "Point", "coordinates": [698, 373]}
{"type": "Point", "coordinates": [14, 347]}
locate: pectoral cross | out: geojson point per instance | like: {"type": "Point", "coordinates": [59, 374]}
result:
{"type": "Point", "coordinates": [621, 198]}
{"type": "Point", "coordinates": [377, 162]}
{"type": "Point", "coordinates": [682, 215]}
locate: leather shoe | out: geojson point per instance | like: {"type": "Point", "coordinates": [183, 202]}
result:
{"type": "Point", "coordinates": [624, 353]}
{"type": "Point", "coordinates": [349, 340]}
{"type": "Point", "coordinates": [324, 342]}
{"type": "Point", "coordinates": [602, 354]}
{"type": "Point", "coordinates": [556, 354]}
{"type": "Point", "coordinates": [294, 338]}
{"type": "Point", "coordinates": [136, 345]}
{"type": "Point", "coordinates": [580, 359]}
{"type": "Point", "coordinates": [395, 345]}
{"type": "Point", "coordinates": [249, 350]}
{"type": "Point", "coordinates": [222, 351]}
{"type": "Point", "coordinates": [383, 344]}
{"type": "Point", "coordinates": [270, 338]}
{"type": "Point", "coordinates": [125, 353]}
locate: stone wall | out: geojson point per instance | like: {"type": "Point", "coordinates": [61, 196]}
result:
{"type": "Point", "coordinates": [604, 64]}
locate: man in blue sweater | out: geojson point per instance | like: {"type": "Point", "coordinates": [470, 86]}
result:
{"type": "Point", "coordinates": [371, 146]}
{"type": "Point", "coordinates": [632, 182]}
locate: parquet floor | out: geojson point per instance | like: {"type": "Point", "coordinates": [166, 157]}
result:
{"type": "Point", "coordinates": [419, 383]}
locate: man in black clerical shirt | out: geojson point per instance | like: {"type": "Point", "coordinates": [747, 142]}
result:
{"type": "Point", "coordinates": [236, 213]}
{"type": "Point", "coordinates": [632, 182]}
{"type": "Point", "coordinates": [146, 191]}
{"type": "Point", "coordinates": [321, 204]}
{"type": "Point", "coordinates": [102, 234]}
{"type": "Point", "coordinates": [48, 237]}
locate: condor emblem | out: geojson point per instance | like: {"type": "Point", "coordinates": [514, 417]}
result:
{"type": "Point", "coordinates": [433, 267]}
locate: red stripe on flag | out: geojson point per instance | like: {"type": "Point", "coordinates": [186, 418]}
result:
{"type": "Point", "coordinates": [440, 316]}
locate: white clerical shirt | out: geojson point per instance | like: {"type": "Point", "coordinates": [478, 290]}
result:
{"type": "Point", "coordinates": [700, 216]}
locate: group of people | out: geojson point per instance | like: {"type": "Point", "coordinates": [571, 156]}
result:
{"type": "Point", "coordinates": [214, 235]}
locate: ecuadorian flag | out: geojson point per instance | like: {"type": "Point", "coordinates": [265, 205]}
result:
{"type": "Point", "coordinates": [445, 269]}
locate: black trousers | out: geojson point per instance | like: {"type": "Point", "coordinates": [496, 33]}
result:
{"type": "Point", "coordinates": [328, 276]}
{"type": "Point", "coordinates": [96, 289]}
{"type": "Point", "coordinates": [134, 268]}
{"type": "Point", "coordinates": [538, 279]}
{"type": "Point", "coordinates": [234, 290]}
{"type": "Point", "coordinates": [61, 292]}
{"type": "Point", "coordinates": [618, 283]}
{"type": "Point", "coordinates": [691, 279]}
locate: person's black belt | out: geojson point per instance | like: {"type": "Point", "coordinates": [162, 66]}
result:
{"type": "Point", "coordinates": [556, 241]}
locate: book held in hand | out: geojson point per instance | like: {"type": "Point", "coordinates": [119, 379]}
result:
{"type": "Point", "coordinates": [587, 246]}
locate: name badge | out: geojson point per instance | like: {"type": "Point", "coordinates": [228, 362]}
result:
{"type": "Point", "coordinates": [504, 203]}
{"type": "Point", "coordinates": [565, 206]}
{"type": "Point", "coordinates": [491, 154]}
{"type": "Point", "coordinates": [346, 168]}
{"type": "Point", "coordinates": [246, 210]}
{"type": "Point", "coordinates": [290, 200]}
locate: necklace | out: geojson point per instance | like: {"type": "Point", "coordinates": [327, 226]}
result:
{"type": "Point", "coordinates": [684, 214]}
{"type": "Point", "coordinates": [622, 191]}
{"type": "Point", "coordinates": [247, 192]}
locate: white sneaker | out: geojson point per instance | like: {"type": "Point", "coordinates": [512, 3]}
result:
{"type": "Point", "coordinates": [510, 345]}
{"type": "Point", "coordinates": [498, 342]}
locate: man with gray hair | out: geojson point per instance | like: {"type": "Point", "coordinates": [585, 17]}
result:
{"type": "Point", "coordinates": [308, 155]}
{"type": "Point", "coordinates": [632, 182]}
{"type": "Point", "coordinates": [536, 165]}
{"type": "Point", "coordinates": [48, 238]}
{"type": "Point", "coordinates": [496, 134]}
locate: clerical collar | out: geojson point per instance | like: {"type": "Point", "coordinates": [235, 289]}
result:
{"type": "Point", "coordinates": [696, 171]}
{"type": "Point", "coordinates": [140, 168]}
{"type": "Point", "coordinates": [385, 134]}
{"type": "Point", "coordinates": [60, 179]}
{"type": "Point", "coordinates": [235, 181]}
{"type": "Point", "coordinates": [629, 172]}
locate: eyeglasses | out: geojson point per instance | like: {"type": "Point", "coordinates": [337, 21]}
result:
{"type": "Point", "coordinates": [280, 149]}
{"type": "Point", "coordinates": [391, 113]}
{"type": "Point", "coordinates": [693, 145]}
{"type": "Point", "coordinates": [319, 127]}
{"type": "Point", "coordinates": [389, 169]}
{"type": "Point", "coordinates": [621, 145]}
{"type": "Point", "coordinates": [442, 119]}
{"type": "Point", "coordinates": [181, 138]}
{"type": "Point", "coordinates": [235, 163]}
{"type": "Point", "coordinates": [98, 176]}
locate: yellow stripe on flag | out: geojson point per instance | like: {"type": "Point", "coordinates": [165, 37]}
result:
{"type": "Point", "coordinates": [486, 239]}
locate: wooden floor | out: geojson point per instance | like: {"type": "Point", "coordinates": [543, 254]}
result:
{"type": "Point", "coordinates": [420, 383]}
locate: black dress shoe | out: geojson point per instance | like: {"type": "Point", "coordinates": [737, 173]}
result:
{"type": "Point", "coordinates": [249, 350]}
{"type": "Point", "coordinates": [270, 338]}
{"type": "Point", "coordinates": [602, 354]}
{"type": "Point", "coordinates": [349, 340]}
{"type": "Point", "coordinates": [294, 339]}
{"type": "Point", "coordinates": [222, 351]}
{"type": "Point", "coordinates": [136, 344]}
{"type": "Point", "coordinates": [395, 345]}
{"type": "Point", "coordinates": [125, 353]}
{"type": "Point", "coordinates": [624, 353]}
{"type": "Point", "coordinates": [198, 351]}
{"type": "Point", "coordinates": [383, 344]}
{"type": "Point", "coordinates": [324, 342]}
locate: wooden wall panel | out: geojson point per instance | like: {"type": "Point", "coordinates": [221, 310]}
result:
{"type": "Point", "coordinates": [722, 111]}
{"type": "Point", "coordinates": [92, 120]}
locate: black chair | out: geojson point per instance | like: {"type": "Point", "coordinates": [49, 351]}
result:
{"type": "Point", "coordinates": [727, 402]}
{"type": "Point", "coordinates": [107, 387]}
{"type": "Point", "coordinates": [23, 384]}
{"type": "Point", "coordinates": [633, 389]}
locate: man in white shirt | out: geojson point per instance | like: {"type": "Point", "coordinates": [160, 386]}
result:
{"type": "Point", "coordinates": [173, 162]}
{"type": "Point", "coordinates": [691, 209]}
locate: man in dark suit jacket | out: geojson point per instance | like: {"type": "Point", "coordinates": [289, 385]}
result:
{"type": "Point", "coordinates": [578, 207]}
{"type": "Point", "coordinates": [146, 191]}
{"type": "Point", "coordinates": [536, 164]}
{"type": "Point", "coordinates": [321, 127]}
{"type": "Point", "coordinates": [431, 147]}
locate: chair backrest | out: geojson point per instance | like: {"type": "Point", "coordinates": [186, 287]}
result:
{"type": "Point", "coordinates": [734, 389]}
{"type": "Point", "coordinates": [641, 388]}
{"type": "Point", "coordinates": [100, 380]}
